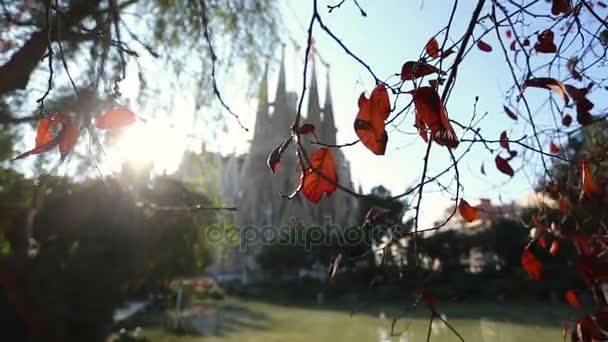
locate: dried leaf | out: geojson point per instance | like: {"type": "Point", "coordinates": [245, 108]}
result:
{"type": "Point", "coordinates": [545, 42]}
{"type": "Point", "coordinates": [548, 83]}
{"type": "Point", "coordinates": [513, 45]}
{"type": "Point", "coordinates": [588, 184]}
{"type": "Point", "coordinates": [274, 158]}
{"type": "Point", "coordinates": [573, 300]}
{"type": "Point", "coordinates": [510, 113]}
{"type": "Point", "coordinates": [504, 141]}
{"type": "Point", "coordinates": [321, 178]}
{"type": "Point", "coordinates": [468, 212]}
{"type": "Point", "coordinates": [412, 70]}
{"type": "Point", "coordinates": [369, 124]}
{"type": "Point", "coordinates": [483, 46]}
{"type": "Point", "coordinates": [561, 6]}
{"type": "Point", "coordinates": [432, 48]}
{"type": "Point", "coordinates": [116, 118]}
{"type": "Point", "coordinates": [503, 166]}
{"type": "Point", "coordinates": [306, 129]}
{"type": "Point", "coordinates": [431, 113]}
{"type": "Point", "coordinates": [571, 66]}
{"type": "Point", "coordinates": [532, 265]}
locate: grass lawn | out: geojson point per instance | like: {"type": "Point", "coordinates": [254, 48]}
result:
{"type": "Point", "coordinates": [253, 321]}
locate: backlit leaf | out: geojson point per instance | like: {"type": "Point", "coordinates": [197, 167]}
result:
{"type": "Point", "coordinates": [274, 158]}
{"type": "Point", "coordinates": [573, 300]}
{"type": "Point", "coordinates": [321, 178]}
{"type": "Point", "coordinates": [468, 212]}
{"type": "Point", "coordinates": [44, 134]}
{"type": "Point", "coordinates": [554, 247]}
{"type": "Point", "coordinates": [430, 113]}
{"type": "Point", "coordinates": [65, 139]}
{"type": "Point", "coordinates": [369, 124]}
{"type": "Point", "coordinates": [532, 265]}
{"type": "Point", "coordinates": [432, 48]}
{"type": "Point", "coordinates": [116, 118]}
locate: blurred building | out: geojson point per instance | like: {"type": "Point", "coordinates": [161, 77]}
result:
{"type": "Point", "coordinates": [246, 181]}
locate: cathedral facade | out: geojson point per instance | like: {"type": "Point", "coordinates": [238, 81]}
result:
{"type": "Point", "coordinates": [246, 182]}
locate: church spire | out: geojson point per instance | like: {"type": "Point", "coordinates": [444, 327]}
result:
{"type": "Point", "coordinates": [313, 115]}
{"type": "Point", "coordinates": [281, 95]}
{"type": "Point", "coordinates": [262, 116]}
{"type": "Point", "coordinates": [328, 128]}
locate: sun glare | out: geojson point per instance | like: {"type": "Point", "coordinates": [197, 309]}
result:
{"type": "Point", "coordinates": [155, 142]}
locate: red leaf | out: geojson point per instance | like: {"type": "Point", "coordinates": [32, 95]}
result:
{"type": "Point", "coordinates": [554, 248]}
{"type": "Point", "coordinates": [548, 83]}
{"type": "Point", "coordinates": [432, 48]}
{"type": "Point", "coordinates": [509, 34]}
{"type": "Point", "coordinates": [306, 129]}
{"type": "Point", "coordinates": [532, 265]}
{"type": "Point", "coordinates": [116, 118]}
{"type": "Point", "coordinates": [566, 120]}
{"type": "Point", "coordinates": [412, 70]}
{"type": "Point", "coordinates": [561, 6]}
{"type": "Point", "coordinates": [503, 166]}
{"type": "Point", "coordinates": [588, 184]}
{"type": "Point", "coordinates": [321, 177]}
{"type": "Point", "coordinates": [573, 300]}
{"type": "Point", "coordinates": [467, 212]}
{"type": "Point", "coordinates": [431, 113]}
{"type": "Point", "coordinates": [483, 46]}
{"type": "Point", "coordinates": [369, 124]}
{"type": "Point", "coordinates": [564, 205]}
{"type": "Point", "coordinates": [510, 113]}
{"type": "Point", "coordinates": [504, 141]}
{"type": "Point", "coordinates": [554, 148]}
{"type": "Point", "coordinates": [526, 42]}
{"type": "Point", "coordinates": [542, 242]}
{"type": "Point", "coordinates": [513, 45]}
{"type": "Point", "coordinates": [274, 158]}
{"type": "Point", "coordinates": [428, 298]}
{"type": "Point", "coordinates": [582, 244]}
{"type": "Point", "coordinates": [583, 105]}
{"type": "Point", "coordinates": [545, 42]}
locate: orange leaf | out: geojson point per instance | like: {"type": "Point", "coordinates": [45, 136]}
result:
{"type": "Point", "coordinates": [548, 83]}
{"type": "Point", "coordinates": [412, 70]}
{"type": "Point", "coordinates": [432, 48]}
{"type": "Point", "coordinates": [431, 113]}
{"type": "Point", "coordinates": [66, 138]}
{"type": "Point", "coordinates": [588, 184]}
{"type": "Point", "coordinates": [561, 6]}
{"type": "Point", "coordinates": [467, 212]}
{"type": "Point", "coordinates": [532, 265]}
{"type": "Point", "coordinates": [545, 42]}
{"type": "Point", "coordinates": [321, 177]}
{"type": "Point", "coordinates": [510, 113]}
{"type": "Point", "coordinates": [503, 166]}
{"type": "Point", "coordinates": [44, 135]}
{"type": "Point", "coordinates": [554, 148]}
{"type": "Point", "coordinates": [483, 46]}
{"type": "Point", "coordinates": [116, 118]}
{"type": "Point", "coordinates": [369, 124]}
{"type": "Point", "coordinates": [554, 247]}
{"type": "Point", "coordinates": [573, 300]}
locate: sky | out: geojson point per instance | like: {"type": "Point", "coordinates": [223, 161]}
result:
{"type": "Point", "coordinates": [394, 31]}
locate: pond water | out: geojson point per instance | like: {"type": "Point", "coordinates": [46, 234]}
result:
{"type": "Point", "coordinates": [256, 321]}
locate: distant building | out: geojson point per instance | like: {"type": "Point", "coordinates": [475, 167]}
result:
{"type": "Point", "coordinates": [245, 180]}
